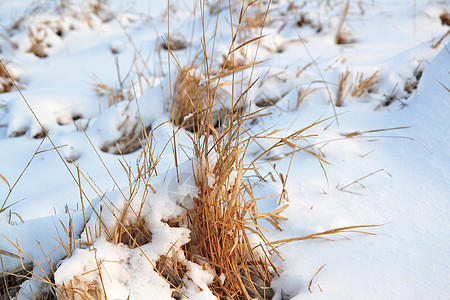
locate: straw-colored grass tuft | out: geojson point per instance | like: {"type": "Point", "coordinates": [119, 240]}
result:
{"type": "Point", "coordinates": [342, 88]}
{"type": "Point", "coordinates": [343, 35]}
{"type": "Point", "coordinates": [80, 289]}
{"type": "Point", "coordinates": [302, 93]}
{"type": "Point", "coordinates": [113, 95]}
{"type": "Point", "coordinates": [189, 100]}
{"type": "Point", "coordinates": [188, 96]}
{"type": "Point", "coordinates": [363, 84]}
{"type": "Point", "coordinates": [173, 272]}
{"type": "Point", "coordinates": [6, 82]}
{"type": "Point", "coordinates": [225, 233]}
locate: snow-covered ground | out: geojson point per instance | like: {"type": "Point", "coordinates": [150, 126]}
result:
{"type": "Point", "coordinates": [387, 146]}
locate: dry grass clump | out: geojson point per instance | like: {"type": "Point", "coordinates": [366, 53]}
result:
{"type": "Point", "coordinates": [225, 234]}
{"type": "Point", "coordinates": [257, 18]}
{"type": "Point", "coordinates": [411, 83]}
{"type": "Point", "coordinates": [132, 234]}
{"type": "Point", "coordinates": [112, 94]}
{"type": "Point", "coordinates": [302, 93]}
{"type": "Point", "coordinates": [224, 221]}
{"type": "Point", "coordinates": [189, 100]}
{"type": "Point", "coordinates": [6, 82]}
{"type": "Point", "coordinates": [363, 84]}
{"type": "Point", "coordinates": [61, 16]}
{"type": "Point", "coordinates": [37, 37]}
{"type": "Point", "coordinates": [303, 20]}
{"type": "Point", "coordinates": [130, 229]}
{"type": "Point", "coordinates": [226, 228]}
{"type": "Point", "coordinates": [80, 289]}
{"type": "Point", "coordinates": [342, 84]}
{"type": "Point", "coordinates": [343, 35]}
{"type": "Point", "coordinates": [188, 96]}
{"type": "Point", "coordinates": [173, 272]}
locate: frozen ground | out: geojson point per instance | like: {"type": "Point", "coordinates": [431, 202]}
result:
{"type": "Point", "coordinates": [403, 171]}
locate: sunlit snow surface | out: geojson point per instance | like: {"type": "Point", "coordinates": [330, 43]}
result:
{"type": "Point", "coordinates": [408, 192]}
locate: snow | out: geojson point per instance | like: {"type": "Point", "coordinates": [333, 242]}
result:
{"type": "Point", "coordinates": [386, 152]}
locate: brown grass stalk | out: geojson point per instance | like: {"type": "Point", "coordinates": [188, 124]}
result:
{"type": "Point", "coordinates": [363, 84]}
{"type": "Point", "coordinates": [342, 36]}
{"type": "Point", "coordinates": [325, 234]}
{"type": "Point", "coordinates": [342, 84]}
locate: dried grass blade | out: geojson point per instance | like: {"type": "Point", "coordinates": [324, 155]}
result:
{"type": "Point", "coordinates": [6, 181]}
{"type": "Point", "coordinates": [7, 253]}
{"type": "Point", "coordinates": [311, 281]}
{"type": "Point", "coordinates": [323, 234]}
{"type": "Point", "coordinates": [248, 42]}
{"type": "Point", "coordinates": [238, 69]}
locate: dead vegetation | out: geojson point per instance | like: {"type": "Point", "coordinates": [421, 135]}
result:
{"type": "Point", "coordinates": [112, 94]}
{"type": "Point", "coordinates": [445, 18]}
{"type": "Point", "coordinates": [363, 84]}
{"type": "Point", "coordinates": [439, 41]}
{"type": "Point", "coordinates": [342, 88]}
{"type": "Point", "coordinates": [11, 280]}
{"type": "Point", "coordinates": [360, 87]}
{"type": "Point", "coordinates": [302, 93]}
{"type": "Point", "coordinates": [188, 97]}
{"type": "Point", "coordinates": [225, 211]}
{"type": "Point", "coordinates": [411, 83]}
{"type": "Point", "coordinates": [343, 35]}
{"type": "Point", "coordinates": [225, 224]}
{"type": "Point", "coordinates": [48, 22]}
{"type": "Point", "coordinates": [6, 81]}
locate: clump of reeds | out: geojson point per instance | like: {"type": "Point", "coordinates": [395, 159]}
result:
{"type": "Point", "coordinates": [78, 288]}
{"type": "Point", "coordinates": [225, 233]}
{"type": "Point", "coordinates": [189, 100]}
{"type": "Point", "coordinates": [363, 84]}
{"type": "Point", "coordinates": [342, 88]}
{"type": "Point", "coordinates": [188, 96]}
{"type": "Point", "coordinates": [223, 221]}
{"type": "Point", "coordinates": [37, 47]}
{"type": "Point", "coordinates": [112, 94]}
{"type": "Point", "coordinates": [6, 82]}
{"type": "Point", "coordinates": [302, 93]}
{"type": "Point", "coordinates": [343, 36]}
{"type": "Point", "coordinates": [130, 227]}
